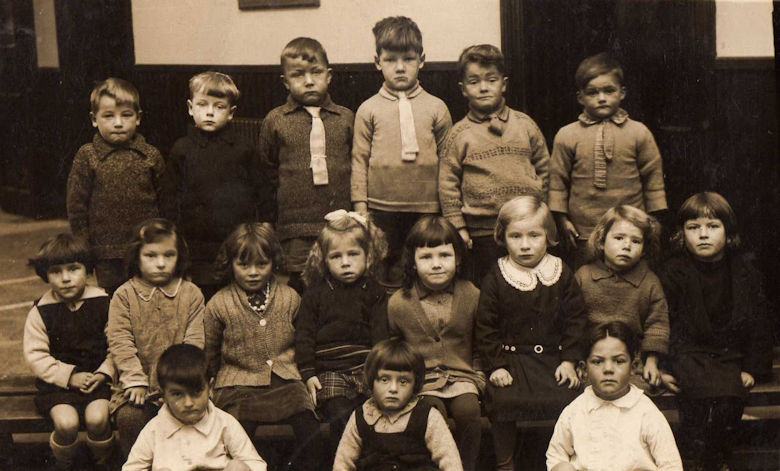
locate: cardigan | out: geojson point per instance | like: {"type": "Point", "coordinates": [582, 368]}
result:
{"type": "Point", "coordinates": [379, 176]}
{"type": "Point", "coordinates": [214, 181]}
{"type": "Point", "coordinates": [479, 170]}
{"type": "Point", "coordinates": [143, 321]}
{"type": "Point", "coordinates": [634, 297]}
{"type": "Point", "coordinates": [111, 189]}
{"type": "Point", "coordinates": [240, 348]}
{"type": "Point", "coordinates": [337, 324]}
{"type": "Point", "coordinates": [286, 156]}
{"type": "Point", "coordinates": [634, 174]}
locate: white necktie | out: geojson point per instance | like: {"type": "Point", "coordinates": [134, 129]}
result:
{"type": "Point", "coordinates": [319, 166]}
{"type": "Point", "coordinates": [409, 148]}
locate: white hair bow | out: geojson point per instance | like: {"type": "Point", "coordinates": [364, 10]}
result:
{"type": "Point", "coordinates": [342, 213]}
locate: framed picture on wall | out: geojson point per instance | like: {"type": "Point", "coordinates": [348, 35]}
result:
{"type": "Point", "coordinates": [268, 4]}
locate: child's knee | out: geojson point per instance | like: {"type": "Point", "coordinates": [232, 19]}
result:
{"type": "Point", "coordinates": [96, 416]}
{"type": "Point", "coordinates": [66, 423]}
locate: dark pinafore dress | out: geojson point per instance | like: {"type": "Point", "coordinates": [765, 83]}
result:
{"type": "Point", "coordinates": [403, 451]}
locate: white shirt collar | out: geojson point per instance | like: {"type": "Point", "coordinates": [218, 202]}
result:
{"type": "Point", "coordinates": [548, 271]}
{"type": "Point", "coordinates": [169, 424]}
{"type": "Point", "coordinates": [627, 401]}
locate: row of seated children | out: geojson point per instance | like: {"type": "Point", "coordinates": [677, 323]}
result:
{"type": "Point", "coordinates": [517, 341]}
{"type": "Point", "coordinates": [398, 157]}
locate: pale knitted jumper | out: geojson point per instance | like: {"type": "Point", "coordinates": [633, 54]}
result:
{"type": "Point", "coordinates": [634, 297]}
{"type": "Point", "coordinates": [241, 349]}
{"type": "Point", "coordinates": [480, 170]}
{"type": "Point", "coordinates": [379, 176]}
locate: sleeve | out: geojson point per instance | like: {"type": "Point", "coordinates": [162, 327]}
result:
{"type": "Point", "coordinates": [142, 454]}
{"type": "Point", "coordinates": [439, 441]}
{"type": "Point", "coordinates": [107, 368]}
{"type": "Point", "coordinates": [38, 355]}
{"type": "Point", "coordinates": [651, 172]}
{"type": "Point", "coordinates": [121, 343]}
{"type": "Point", "coordinates": [361, 153]}
{"type": "Point", "coordinates": [656, 320]}
{"type": "Point", "coordinates": [451, 179]}
{"type": "Point", "coordinates": [349, 447]}
{"type": "Point", "coordinates": [239, 446]}
{"type": "Point", "coordinates": [658, 437]}
{"type": "Point", "coordinates": [213, 328]}
{"type": "Point", "coordinates": [378, 314]}
{"type": "Point", "coordinates": [172, 183]}
{"type": "Point", "coordinates": [193, 332]}
{"type": "Point", "coordinates": [487, 326]}
{"type": "Point", "coordinates": [560, 174]}
{"type": "Point", "coordinates": [269, 167]}
{"type": "Point", "coordinates": [441, 127]}
{"type": "Point", "coordinates": [540, 157]}
{"type": "Point", "coordinates": [561, 447]}
{"type": "Point", "coordinates": [79, 190]}
{"type": "Point", "coordinates": [575, 318]}
{"type": "Point", "coordinates": [306, 334]}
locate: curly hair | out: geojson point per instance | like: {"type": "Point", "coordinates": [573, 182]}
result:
{"type": "Point", "coordinates": [249, 242]}
{"type": "Point", "coordinates": [429, 231]}
{"type": "Point", "coordinates": [341, 223]}
{"type": "Point", "coordinates": [149, 232]}
{"type": "Point", "coordinates": [706, 204]}
{"type": "Point", "coordinates": [651, 232]}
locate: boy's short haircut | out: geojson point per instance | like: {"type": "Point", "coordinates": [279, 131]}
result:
{"type": "Point", "coordinates": [593, 66]}
{"type": "Point", "coordinates": [706, 204]}
{"type": "Point", "coordinates": [120, 90]}
{"type": "Point", "coordinates": [398, 34]}
{"type": "Point", "coordinates": [215, 84]}
{"type": "Point", "coordinates": [396, 355]}
{"type": "Point", "coordinates": [184, 365]}
{"type": "Point", "coordinates": [59, 250]}
{"type": "Point", "coordinates": [482, 54]}
{"type": "Point", "coordinates": [149, 232]}
{"type": "Point", "coordinates": [307, 49]}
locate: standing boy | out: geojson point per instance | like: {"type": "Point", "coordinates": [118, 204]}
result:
{"type": "Point", "coordinates": [305, 145]}
{"type": "Point", "coordinates": [398, 135]}
{"type": "Point", "coordinates": [214, 179]}
{"type": "Point", "coordinates": [492, 155]}
{"type": "Point", "coordinates": [602, 160]}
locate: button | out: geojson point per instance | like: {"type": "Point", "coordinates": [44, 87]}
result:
{"type": "Point", "coordinates": [437, 339]}
{"type": "Point", "coordinates": [263, 322]}
{"type": "Point", "coordinates": [512, 348]}
{"type": "Point", "coordinates": [538, 349]}
{"type": "Point", "coordinates": [270, 362]}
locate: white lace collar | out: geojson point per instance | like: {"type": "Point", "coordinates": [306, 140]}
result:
{"type": "Point", "coordinates": [548, 271]}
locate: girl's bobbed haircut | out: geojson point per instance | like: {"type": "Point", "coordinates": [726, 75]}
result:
{"type": "Point", "coordinates": [184, 365]}
{"type": "Point", "coordinates": [396, 355]}
{"type": "Point", "coordinates": [651, 232]}
{"type": "Point", "coordinates": [249, 243]}
{"type": "Point", "coordinates": [149, 232]}
{"type": "Point", "coordinates": [60, 250]}
{"type": "Point", "coordinates": [429, 231]}
{"type": "Point", "coordinates": [706, 204]}
{"type": "Point", "coordinates": [615, 329]}
{"type": "Point", "coordinates": [344, 223]}
{"type": "Point", "coordinates": [522, 207]}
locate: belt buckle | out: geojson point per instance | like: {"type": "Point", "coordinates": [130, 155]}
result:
{"type": "Point", "coordinates": [538, 349]}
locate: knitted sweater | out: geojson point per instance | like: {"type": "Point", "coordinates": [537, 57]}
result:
{"type": "Point", "coordinates": [379, 176]}
{"type": "Point", "coordinates": [634, 174]}
{"type": "Point", "coordinates": [241, 349]}
{"type": "Point", "coordinates": [284, 148]}
{"type": "Point", "coordinates": [635, 297]}
{"type": "Point", "coordinates": [479, 170]}
{"type": "Point", "coordinates": [111, 189]}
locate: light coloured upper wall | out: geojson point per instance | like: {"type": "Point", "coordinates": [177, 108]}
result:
{"type": "Point", "coordinates": [217, 32]}
{"type": "Point", "coordinates": [46, 34]}
{"type": "Point", "coordinates": [744, 28]}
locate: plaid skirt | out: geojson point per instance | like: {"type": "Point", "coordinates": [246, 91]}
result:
{"type": "Point", "coordinates": [349, 385]}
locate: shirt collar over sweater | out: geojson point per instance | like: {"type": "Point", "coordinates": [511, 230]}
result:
{"type": "Point", "coordinates": [137, 143]}
{"type": "Point", "coordinates": [392, 95]}
{"type": "Point", "coordinates": [618, 118]}
{"type": "Point", "coordinates": [327, 104]}
{"type": "Point", "coordinates": [477, 117]}
{"type": "Point", "coordinates": [633, 275]}
{"type": "Point", "coordinates": [372, 413]}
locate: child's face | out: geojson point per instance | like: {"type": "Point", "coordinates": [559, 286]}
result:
{"type": "Point", "coordinates": [307, 81]}
{"type": "Point", "coordinates": [116, 123]}
{"type": "Point", "coordinates": [158, 260]}
{"type": "Point", "coordinates": [623, 246]}
{"type": "Point", "coordinates": [393, 389]}
{"type": "Point", "coordinates": [252, 275]}
{"type": "Point", "coordinates": [346, 259]}
{"type": "Point", "coordinates": [210, 113]}
{"type": "Point", "coordinates": [526, 240]}
{"type": "Point", "coordinates": [483, 87]}
{"type": "Point", "coordinates": [436, 266]}
{"type": "Point", "coordinates": [602, 96]}
{"type": "Point", "coordinates": [67, 280]}
{"type": "Point", "coordinates": [609, 368]}
{"type": "Point", "coordinates": [186, 405]}
{"type": "Point", "coordinates": [399, 69]}
{"type": "Point", "coordinates": [705, 238]}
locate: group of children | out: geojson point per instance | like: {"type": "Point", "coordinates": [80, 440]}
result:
{"type": "Point", "coordinates": [394, 316]}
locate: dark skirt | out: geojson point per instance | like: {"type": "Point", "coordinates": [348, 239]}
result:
{"type": "Point", "coordinates": [265, 404]}
{"type": "Point", "coordinates": [708, 375]}
{"type": "Point", "coordinates": [53, 395]}
{"type": "Point", "coordinates": [533, 394]}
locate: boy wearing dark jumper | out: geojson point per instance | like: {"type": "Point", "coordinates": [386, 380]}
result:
{"type": "Point", "coordinates": [492, 155]}
{"type": "Point", "coordinates": [602, 160]}
{"type": "Point", "coordinates": [399, 133]}
{"type": "Point", "coordinates": [305, 145]}
{"type": "Point", "coordinates": [213, 178]}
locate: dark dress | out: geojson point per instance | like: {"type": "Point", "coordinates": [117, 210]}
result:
{"type": "Point", "coordinates": [529, 332]}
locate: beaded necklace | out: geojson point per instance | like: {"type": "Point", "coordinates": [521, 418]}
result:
{"type": "Point", "coordinates": [258, 307]}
